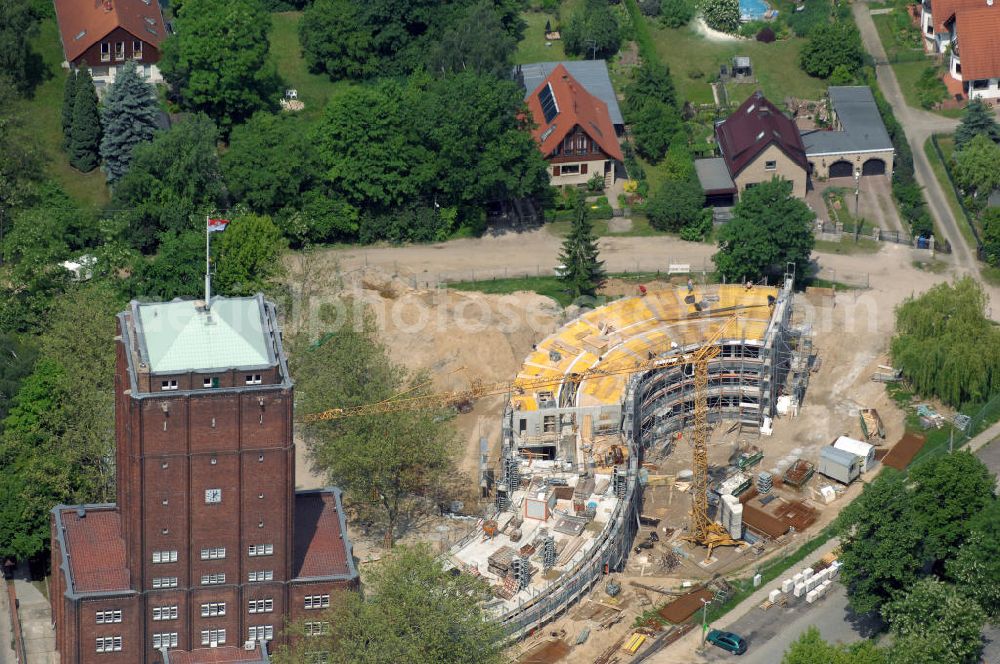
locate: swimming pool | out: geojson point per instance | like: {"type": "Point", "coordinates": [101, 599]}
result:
{"type": "Point", "coordinates": [753, 10]}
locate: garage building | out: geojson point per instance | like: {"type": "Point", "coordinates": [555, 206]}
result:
{"type": "Point", "coordinates": [857, 144]}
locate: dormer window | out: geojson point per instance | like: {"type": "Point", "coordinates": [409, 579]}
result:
{"type": "Point", "coordinates": [119, 50]}
{"type": "Point", "coordinates": [253, 379]}
{"type": "Point", "coordinates": [168, 385]}
{"type": "Point", "coordinates": [137, 50]}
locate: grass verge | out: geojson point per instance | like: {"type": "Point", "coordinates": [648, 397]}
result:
{"type": "Point", "coordinates": [602, 227]}
{"type": "Point", "coordinates": [941, 173]}
{"type": "Point", "coordinates": [532, 48]}
{"type": "Point", "coordinates": [847, 247]}
{"type": "Point", "coordinates": [314, 90]}
{"type": "Point", "coordinates": [43, 119]}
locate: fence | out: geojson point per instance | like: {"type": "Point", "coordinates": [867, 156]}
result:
{"type": "Point", "coordinates": [980, 251]}
{"type": "Point", "coordinates": [15, 624]}
{"type": "Point", "coordinates": [836, 232]}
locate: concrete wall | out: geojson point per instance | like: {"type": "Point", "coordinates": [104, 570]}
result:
{"type": "Point", "coordinates": [757, 171]}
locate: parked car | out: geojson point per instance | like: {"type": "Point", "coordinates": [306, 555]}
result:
{"type": "Point", "coordinates": [728, 641]}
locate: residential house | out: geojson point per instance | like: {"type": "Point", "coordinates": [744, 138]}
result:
{"type": "Point", "coordinates": [591, 74]}
{"type": "Point", "coordinates": [574, 130]}
{"type": "Point", "coordinates": [758, 142]}
{"type": "Point", "coordinates": [967, 31]}
{"type": "Point", "coordinates": [103, 35]}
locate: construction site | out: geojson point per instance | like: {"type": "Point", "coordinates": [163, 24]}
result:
{"type": "Point", "coordinates": [645, 451]}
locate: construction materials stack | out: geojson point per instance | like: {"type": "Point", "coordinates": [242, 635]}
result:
{"type": "Point", "coordinates": [731, 515]}
{"type": "Point", "coordinates": [764, 482]}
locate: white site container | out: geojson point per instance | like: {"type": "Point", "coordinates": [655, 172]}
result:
{"type": "Point", "coordinates": [811, 596]}
{"type": "Point", "coordinates": [807, 572]}
{"type": "Point", "coordinates": [799, 590]}
{"type": "Point", "coordinates": [797, 579]}
{"type": "Point", "coordinates": [787, 585]}
{"type": "Point", "coordinates": [773, 595]}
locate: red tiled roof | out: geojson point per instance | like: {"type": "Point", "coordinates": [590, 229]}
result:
{"type": "Point", "coordinates": [978, 33]}
{"type": "Point", "coordinates": [83, 23]}
{"type": "Point", "coordinates": [752, 127]}
{"type": "Point", "coordinates": [96, 550]}
{"type": "Point", "coordinates": [319, 542]}
{"type": "Point", "coordinates": [577, 107]}
{"type": "Point", "coordinates": [220, 655]}
{"type": "Point", "coordinates": [943, 11]}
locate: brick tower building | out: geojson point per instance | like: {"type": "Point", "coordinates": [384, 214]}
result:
{"type": "Point", "coordinates": [209, 548]}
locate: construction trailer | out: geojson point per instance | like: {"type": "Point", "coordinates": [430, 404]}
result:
{"type": "Point", "coordinates": [859, 448]}
{"type": "Point", "coordinates": [840, 465]}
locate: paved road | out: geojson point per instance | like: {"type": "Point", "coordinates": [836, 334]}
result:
{"type": "Point", "coordinates": [919, 126]}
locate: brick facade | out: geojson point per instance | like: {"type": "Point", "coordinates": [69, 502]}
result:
{"type": "Point", "coordinates": [205, 516]}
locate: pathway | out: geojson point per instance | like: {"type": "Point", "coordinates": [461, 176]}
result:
{"type": "Point", "coordinates": [36, 622]}
{"type": "Point", "coordinates": [918, 125]}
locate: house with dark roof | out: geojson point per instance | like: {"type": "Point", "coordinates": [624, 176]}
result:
{"type": "Point", "coordinates": [967, 29]}
{"type": "Point", "coordinates": [102, 35]}
{"type": "Point", "coordinates": [758, 142]}
{"type": "Point", "coordinates": [857, 142]}
{"type": "Point", "coordinates": [209, 549]}
{"type": "Point", "coordinates": [573, 129]}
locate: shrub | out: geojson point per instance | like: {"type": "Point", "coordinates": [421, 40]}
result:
{"type": "Point", "coordinates": [722, 15]}
{"type": "Point", "coordinates": [650, 8]}
{"type": "Point", "coordinates": [930, 88]}
{"type": "Point", "coordinates": [676, 13]}
{"type": "Point", "coordinates": [766, 36]}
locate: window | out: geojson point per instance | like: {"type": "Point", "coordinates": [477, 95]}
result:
{"type": "Point", "coordinates": [261, 549]}
{"type": "Point", "coordinates": [583, 169]}
{"type": "Point", "coordinates": [109, 644]}
{"type": "Point", "coordinates": [263, 575]}
{"type": "Point", "coordinates": [119, 50]}
{"type": "Point", "coordinates": [113, 616]}
{"type": "Point", "coordinates": [210, 382]}
{"type": "Point", "coordinates": [317, 601]}
{"type": "Point", "coordinates": [260, 632]}
{"type": "Point", "coordinates": [214, 553]}
{"type": "Point", "coordinates": [137, 50]}
{"type": "Point", "coordinates": [770, 165]}
{"type": "Point", "coordinates": [570, 169]}
{"type": "Point", "coordinates": [165, 556]}
{"type": "Point", "coordinates": [105, 57]}
{"type": "Point", "coordinates": [168, 384]}
{"type": "Point", "coordinates": [260, 605]}
{"type": "Point", "coordinates": [164, 640]}
{"type": "Point", "coordinates": [212, 609]}
{"type": "Point", "coordinates": [213, 579]}
{"type": "Point", "coordinates": [981, 84]}
{"type": "Point", "coordinates": [165, 582]}
{"type": "Point", "coordinates": [165, 612]}
{"type": "Point", "coordinates": [213, 496]}
{"type": "Point", "coordinates": [213, 637]}
{"type": "Point", "coordinates": [317, 628]}
{"type": "Point", "coordinates": [253, 379]}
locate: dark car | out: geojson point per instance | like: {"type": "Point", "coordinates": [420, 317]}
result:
{"type": "Point", "coordinates": [733, 643]}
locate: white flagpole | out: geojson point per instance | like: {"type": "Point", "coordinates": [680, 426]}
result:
{"type": "Point", "coordinates": [208, 269]}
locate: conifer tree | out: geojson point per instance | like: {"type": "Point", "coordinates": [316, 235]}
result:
{"type": "Point", "coordinates": [128, 118]}
{"type": "Point", "coordinates": [69, 99]}
{"type": "Point", "coordinates": [581, 272]}
{"type": "Point", "coordinates": [85, 135]}
{"type": "Point", "coordinates": [977, 121]}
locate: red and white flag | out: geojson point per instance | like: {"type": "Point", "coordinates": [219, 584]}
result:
{"type": "Point", "coordinates": [217, 225]}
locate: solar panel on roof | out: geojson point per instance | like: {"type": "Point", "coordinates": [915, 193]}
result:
{"type": "Point", "coordinates": [548, 102]}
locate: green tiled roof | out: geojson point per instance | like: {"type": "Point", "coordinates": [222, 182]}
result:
{"type": "Point", "coordinates": [177, 336]}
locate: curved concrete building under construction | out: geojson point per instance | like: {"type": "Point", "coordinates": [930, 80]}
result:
{"type": "Point", "coordinates": [567, 497]}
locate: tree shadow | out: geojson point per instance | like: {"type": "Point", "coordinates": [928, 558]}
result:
{"type": "Point", "coordinates": [866, 625]}
{"type": "Point", "coordinates": [35, 74]}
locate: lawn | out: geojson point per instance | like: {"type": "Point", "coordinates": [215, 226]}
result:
{"type": "Point", "coordinates": [694, 61]}
{"type": "Point", "coordinates": [533, 47]}
{"type": "Point", "coordinates": [314, 90]}
{"type": "Point", "coordinates": [848, 246]}
{"type": "Point", "coordinates": [640, 228]}
{"type": "Point", "coordinates": [43, 119]}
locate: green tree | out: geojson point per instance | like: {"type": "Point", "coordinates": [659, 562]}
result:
{"type": "Point", "coordinates": [270, 163]}
{"type": "Point", "coordinates": [880, 543]}
{"type": "Point", "coordinates": [675, 204]}
{"type": "Point", "coordinates": [249, 255]}
{"type": "Point", "coordinates": [172, 180]}
{"type": "Point", "coordinates": [335, 39]}
{"type": "Point", "coordinates": [990, 220]}
{"type": "Point", "coordinates": [444, 624]}
{"type": "Point", "coordinates": [129, 118]}
{"type": "Point", "coordinates": [915, 649]}
{"type": "Point", "coordinates": [21, 166]}
{"type": "Point", "coordinates": [592, 31]}
{"type": "Point", "coordinates": [651, 108]}
{"type": "Point", "coordinates": [842, 75]}
{"type": "Point", "coordinates": [976, 567]}
{"type": "Point", "coordinates": [218, 61]}
{"type": "Point", "coordinates": [947, 492]}
{"type": "Point", "coordinates": [389, 466]}
{"type": "Point", "coordinates": [676, 13]}
{"type": "Point", "coordinates": [975, 168]}
{"type": "Point", "coordinates": [18, 29]}
{"type": "Point", "coordinates": [177, 269]}
{"type": "Point", "coordinates": [832, 45]}
{"type": "Point", "coordinates": [477, 42]}
{"type": "Point", "coordinates": [722, 15]}
{"type": "Point", "coordinates": [978, 120]}
{"type": "Point", "coordinates": [770, 228]}
{"type": "Point", "coordinates": [69, 103]}
{"type": "Point", "coordinates": [17, 358]}
{"type": "Point", "coordinates": [946, 346]}
{"type": "Point", "coordinates": [85, 132]}
{"type": "Point", "coordinates": [936, 613]}
{"type": "Point", "coordinates": [582, 274]}
{"type": "Point", "coordinates": [931, 90]}
{"type": "Point", "coordinates": [811, 648]}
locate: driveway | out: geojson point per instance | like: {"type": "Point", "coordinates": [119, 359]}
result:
{"type": "Point", "coordinates": [875, 202]}
{"type": "Point", "coordinates": [918, 125]}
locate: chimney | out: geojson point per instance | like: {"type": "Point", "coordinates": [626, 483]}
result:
{"type": "Point", "coordinates": [108, 6]}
